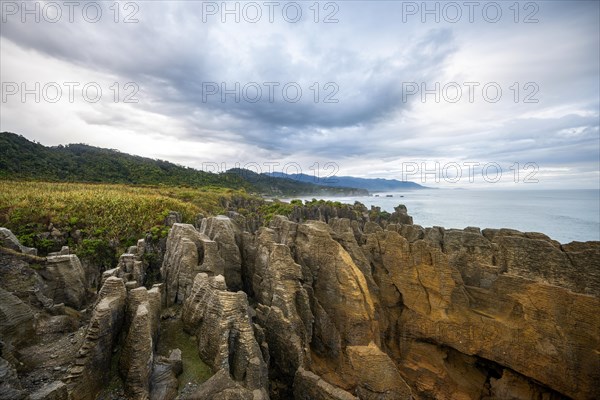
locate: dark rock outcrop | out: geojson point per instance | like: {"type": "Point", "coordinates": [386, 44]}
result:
{"type": "Point", "coordinates": [92, 365]}
{"type": "Point", "coordinates": [56, 390]}
{"type": "Point", "coordinates": [9, 240]}
{"type": "Point", "coordinates": [65, 280]}
{"type": "Point", "coordinates": [163, 382]}
{"type": "Point", "coordinates": [16, 322]}
{"type": "Point", "coordinates": [10, 386]}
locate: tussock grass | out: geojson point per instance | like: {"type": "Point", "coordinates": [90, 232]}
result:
{"type": "Point", "coordinates": [114, 213]}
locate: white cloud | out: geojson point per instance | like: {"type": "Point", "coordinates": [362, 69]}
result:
{"type": "Point", "coordinates": [369, 54]}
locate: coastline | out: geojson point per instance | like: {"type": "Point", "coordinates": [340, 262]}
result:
{"type": "Point", "coordinates": [564, 215]}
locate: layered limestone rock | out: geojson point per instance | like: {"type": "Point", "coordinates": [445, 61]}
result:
{"type": "Point", "coordinates": [480, 255]}
{"type": "Point", "coordinates": [92, 364]}
{"type": "Point", "coordinates": [342, 304]}
{"type": "Point", "coordinates": [355, 308]}
{"type": "Point", "coordinates": [56, 390]}
{"type": "Point", "coordinates": [220, 321]}
{"type": "Point", "coordinates": [227, 236]}
{"type": "Point", "coordinates": [188, 253]}
{"type": "Point", "coordinates": [9, 240]}
{"type": "Point", "coordinates": [284, 306]}
{"type": "Point", "coordinates": [16, 322]}
{"type": "Point", "coordinates": [136, 359]}
{"type": "Point", "coordinates": [510, 314]}
{"type": "Point", "coordinates": [142, 323]}
{"type": "Point", "coordinates": [376, 374]}
{"type": "Point", "coordinates": [537, 257]}
{"type": "Point", "coordinates": [221, 386]}
{"type": "Point", "coordinates": [10, 386]}
{"type": "Point", "coordinates": [163, 382]}
{"type": "Point", "coordinates": [309, 386]}
{"type": "Point", "coordinates": [65, 280]}
{"type": "Point", "coordinates": [131, 267]}
{"type": "Point", "coordinates": [324, 301]}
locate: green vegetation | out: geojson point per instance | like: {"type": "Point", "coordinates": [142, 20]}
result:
{"type": "Point", "coordinates": [276, 207]}
{"type": "Point", "coordinates": [173, 336]}
{"type": "Point", "coordinates": [21, 159]}
{"type": "Point", "coordinates": [100, 221]}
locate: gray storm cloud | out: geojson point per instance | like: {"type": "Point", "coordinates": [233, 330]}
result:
{"type": "Point", "coordinates": [335, 90]}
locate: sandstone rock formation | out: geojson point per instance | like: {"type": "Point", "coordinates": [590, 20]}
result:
{"type": "Point", "coordinates": [308, 386]}
{"type": "Point", "coordinates": [283, 305]}
{"type": "Point", "coordinates": [343, 331]}
{"type": "Point", "coordinates": [131, 267]}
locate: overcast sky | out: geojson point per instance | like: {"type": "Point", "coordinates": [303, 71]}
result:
{"type": "Point", "coordinates": [329, 82]}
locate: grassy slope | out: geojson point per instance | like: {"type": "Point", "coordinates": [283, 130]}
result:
{"type": "Point", "coordinates": [99, 221]}
{"type": "Point", "coordinates": [104, 213]}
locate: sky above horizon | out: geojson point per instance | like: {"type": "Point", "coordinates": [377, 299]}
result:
{"type": "Point", "coordinates": [448, 94]}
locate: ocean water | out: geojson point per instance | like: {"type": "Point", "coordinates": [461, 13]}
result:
{"type": "Point", "coordinates": [564, 215]}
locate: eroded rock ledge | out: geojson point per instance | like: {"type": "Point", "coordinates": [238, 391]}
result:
{"type": "Point", "coordinates": [335, 308]}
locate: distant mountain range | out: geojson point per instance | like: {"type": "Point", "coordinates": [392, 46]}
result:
{"type": "Point", "coordinates": [372, 185]}
{"type": "Point", "coordinates": [22, 159]}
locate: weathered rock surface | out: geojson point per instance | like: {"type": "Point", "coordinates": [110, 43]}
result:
{"type": "Point", "coordinates": [137, 357]}
{"type": "Point", "coordinates": [56, 390]}
{"type": "Point", "coordinates": [222, 387]}
{"type": "Point", "coordinates": [188, 253]}
{"type": "Point", "coordinates": [284, 306]}
{"type": "Point", "coordinates": [227, 236]}
{"type": "Point", "coordinates": [309, 386]}
{"type": "Point", "coordinates": [163, 382]}
{"type": "Point", "coordinates": [511, 314]}
{"type": "Point", "coordinates": [220, 321]}
{"type": "Point", "coordinates": [9, 240]}
{"type": "Point", "coordinates": [64, 251]}
{"type": "Point", "coordinates": [141, 322]}
{"type": "Point", "coordinates": [342, 304]}
{"type": "Point", "coordinates": [131, 268]}
{"type": "Point", "coordinates": [16, 321]}
{"type": "Point", "coordinates": [92, 365]}
{"type": "Point", "coordinates": [10, 387]}
{"type": "Point", "coordinates": [349, 307]}
{"type": "Point", "coordinates": [65, 280]}
{"type": "Point", "coordinates": [375, 373]}
{"type": "Point", "coordinates": [345, 332]}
